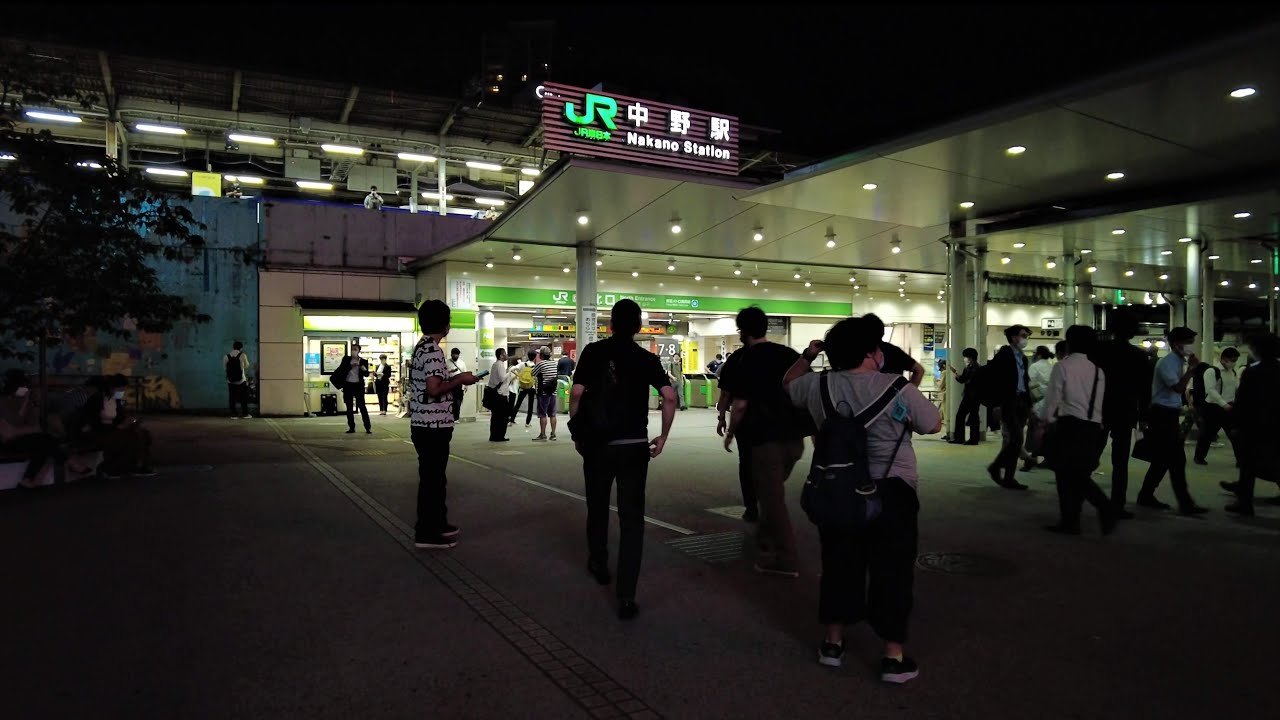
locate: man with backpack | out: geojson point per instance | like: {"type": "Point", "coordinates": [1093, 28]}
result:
{"type": "Point", "coordinates": [236, 364]}
{"type": "Point", "coordinates": [764, 417]}
{"type": "Point", "coordinates": [1005, 385]}
{"type": "Point", "coordinates": [544, 376]}
{"type": "Point", "coordinates": [609, 419]}
{"type": "Point", "coordinates": [527, 390]}
{"type": "Point", "coordinates": [1213, 394]}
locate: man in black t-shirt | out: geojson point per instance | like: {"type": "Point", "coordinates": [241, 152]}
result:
{"type": "Point", "coordinates": [896, 360]}
{"type": "Point", "coordinates": [765, 419]}
{"type": "Point", "coordinates": [611, 391]}
{"type": "Point", "coordinates": [727, 379]}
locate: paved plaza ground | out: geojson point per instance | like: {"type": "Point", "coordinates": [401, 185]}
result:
{"type": "Point", "coordinates": [268, 572]}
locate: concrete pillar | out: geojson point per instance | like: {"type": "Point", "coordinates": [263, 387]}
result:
{"type": "Point", "coordinates": [442, 181]}
{"type": "Point", "coordinates": [1069, 271]}
{"type": "Point", "coordinates": [958, 303]}
{"type": "Point", "coordinates": [1209, 284]}
{"type": "Point", "coordinates": [1195, 293]}
{"type": "Point", "coordinates": [587, 313]}
{"type": "Point", "coordinates": [978, 290]}
{"type": "Point", "coordinates": [413, 191]}
{"type": "Point", "coordinates": [113, 139]}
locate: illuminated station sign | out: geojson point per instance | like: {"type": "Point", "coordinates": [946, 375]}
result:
{"type": "Point", "coordinates": [606, 125]}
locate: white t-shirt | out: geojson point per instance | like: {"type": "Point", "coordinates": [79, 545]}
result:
{"type": "Point", "coordinates": [497, 376]}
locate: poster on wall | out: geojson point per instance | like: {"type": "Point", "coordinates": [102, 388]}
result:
{"type": "Point", "coordinates": [311, 363]}
{"type": "Point", "coordinates": [462, 294]}
{"type": "Point", "coordinates": [331, 354]}
{"type": "Point", "coordinates": [928, 338]}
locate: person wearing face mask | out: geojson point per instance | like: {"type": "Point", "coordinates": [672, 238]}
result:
{"type": "Point", "coordinates": [1213, 393]}
{"type": "Point", "coordinates": [1007, 387]}
{"type": "Point", "coordinates": [349, 378]}
{"type": "Point", "coordinates": [1168, 384]}
{"type": "Point", "coordinates": [1256, 423]}
{"type": "Point", "coordinates": [20, 432]}
{"type": "Point", "coordinates": [894, 360]}
{"type": "Point", "coordinates": [125, 444]}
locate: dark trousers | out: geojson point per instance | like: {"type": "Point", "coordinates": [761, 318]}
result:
{"type": "Point", "coordinates": [532, 395]}
{"type": "Point", "coordinates": [869, 575]}
{"type": "Point", "coordinates": [1213, 418]}
{"type": "Point", "coordinates": [382, 389]}
{"type": "Point", "coordinates": [1121, 445]}
{"type": "Point", "coordinates": [1075, 457]}
{"type": "Point", "coordinates": [968, 415]}
{"type": "Point", "coordinates": [238, 393]}
{"type": "Point", "coordinates": [432, 445]}
{"type": "Point", "coordinates": [37, 446]}
{"type": "Point", "coordinates": [125, 448]}
{"type": "Point", "coordinates": [498, 418]}
{"type": "Point", "coordinates": [1166, 447]}
{"type": "Point", "coordinates": [772, 463]}
{"type": "Point", "coordinates": [457, 402]}
{"type": "Point", "coordinates": [1013, 427]}
{"type": "Point", "coordinates": [629, 466]}
{"type": "Point", "coordinates": [353, 396]}
{"type": "Point", "coordinates": [745, 480]}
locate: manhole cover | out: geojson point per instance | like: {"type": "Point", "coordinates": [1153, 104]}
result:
{"type": "Point", "coordinates": [966, 564]}
{"type": "Point", "coordinates": [733, 511]}
{"type": "Point", "coordinates": [183, 468]}
{"type": "Point", "coordinates": [367, 453]}
{"type": "Point", "coordinates": [717, 548]}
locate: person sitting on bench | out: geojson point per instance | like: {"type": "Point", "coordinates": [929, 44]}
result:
{"type": "Point", "coordinates": [20, 432]}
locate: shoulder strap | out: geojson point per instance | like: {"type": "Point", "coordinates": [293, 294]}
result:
{"type": "Point", "coordinates": [828, 409]}
{"type": "Point", "coordinates": [1093, 396]}
{"type": "Point", "coordinates": [872, 411]}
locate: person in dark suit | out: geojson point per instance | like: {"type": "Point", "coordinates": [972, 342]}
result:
{"type": "Point", "coordinates": [968, 414]}
{"type": "Point", "coordinates": [1010, 389]}
{"type": "Point", "coordinates": [349, 377]}
{"type": "Point", "coordinates": [1126, 400]}
{"type": "Point", "coordinates": [382, 383]}
{"type": "Point", "coordinates": [1257, 425]}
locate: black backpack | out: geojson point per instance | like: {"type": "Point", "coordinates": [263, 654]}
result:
{"type": "Point", "coordinates": [235, 373]}
{"type": "Point", "coordinates": [840, 492]}
{"type": "Point", "coordinates": [1199, 392]}
{"type": "Point", "coordinates": [593, 422]}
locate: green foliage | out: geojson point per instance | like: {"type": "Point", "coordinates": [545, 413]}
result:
{"type": "Point", "coordinates": [80, 250]}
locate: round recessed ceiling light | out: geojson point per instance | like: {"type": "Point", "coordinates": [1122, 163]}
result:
{"type": "Point", "coordinates": [808, 284]}
{"type": "Point", "coordinates": [489, 264]}
{"type": "Point", "coordinates": [1243, 92]}
{"type": "Point", "coordinates": [697, 278]}
{"type": "Point", "coordinates": [966, 205]}
{"type": "Point", "coordinates": [1086, 251]}
{"type": "Point", "coordinates": [1092, 269]}
{"type": "Point", "coordinates": [1225, 283]}
{"type": "Point", "coordinates": [1241, 215]}
{"type": "Point", "coordinates": [1118, 231]}
{"type": "Point", "coordinates": [1164, 277]}
{"type": "Point", "coordinates": [635, 273]}
{"type": "Point", "coordinates": [758, 236]}
{"type": "Point", "coordinates": [1256, 261]}
{"type": "Point", "coordinates": [737, 271]}
{"type": "Point", "coordinates": [599, 263]}
{"type": "Point", "coordinates": [1005, 259]}
{"type": "Point", "coordinates": [1115, 176]}
{"type": "Point", "coordinates": [1051, 263]}
{"type": "Point", "coordinates": [1184, 239]}
{"type": "Point", "coordinates": [1166, 252]}
{"type": "Point", "coordinates": [1016, 150]}
{"type": "Point", "coordinates": [1215, 257]}
{"type": "Point", "coordinates": [1128, 273]}
{"type": "Point", "coordinates": [870, 186]}
{"type": "Point", "coordinates": [564, 269]}
{"type": "Point", "coordinates": [675, 228]}
{"type": "Point", "coordinates": [1253, 286]}
{"type": "Point", "coordinates": [1019, 245]}
{"type": "Point", "coordinates": [583, 219]}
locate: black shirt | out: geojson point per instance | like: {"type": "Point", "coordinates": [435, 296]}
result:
{"type": "Point", "coordinates": [623, 372]}
{"type": "Point", "coordinates": [757, 378]}
{"type": "Point", "coordinates": [729, 371]}
{"type": "Point", "coordinates": [714, 367]}
{"type": "Point", "coordinates": [896, 360]}
{"type": "Point", "coordinates": [565, 366]}
{"type": "Point", "coordinates": [1128, 389]}
{"type": "Point", "coordinates": [965, 378]}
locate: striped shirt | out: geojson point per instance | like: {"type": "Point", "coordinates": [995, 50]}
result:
{"type": "Point", "coordinates": [544, 375]}
{"type": "Point", "coordinates": [428, 412]}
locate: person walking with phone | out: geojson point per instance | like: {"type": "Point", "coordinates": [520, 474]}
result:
{"type": "Point", "coordinates": [1168, 385]}
{"type": "Point", "coordinates": [382, 383]}
{"type": "Point", "coordinates": [349, 377]}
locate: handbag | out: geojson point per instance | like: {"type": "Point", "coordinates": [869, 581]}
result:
{"type": "Point", "coordinates": [1087, 430]}
{"type": "Point", "coordinates": [492, 400]}
{"type": "Point", "coordinates": [1142, 450]}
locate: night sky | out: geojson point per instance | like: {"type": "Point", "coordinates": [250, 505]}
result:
{"type": "Point", "coordinates": [878, 71]}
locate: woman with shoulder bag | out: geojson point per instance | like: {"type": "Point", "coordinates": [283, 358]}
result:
{"type": "Point", "coordinates": [1073, 409]}
{"type": "Point", "coordinates": [868, 568]}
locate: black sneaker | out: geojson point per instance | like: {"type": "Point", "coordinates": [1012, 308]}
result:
{"type": "Point", "coordinates": [1200, 461]}
{"type": "Point", "coordinates": [1230, 487]}
{"type": "Point", "coordinates": [144, 471]}
{"type": "Point", "coordinates": [831, 655]}
{"type": "Point", "coordinates": [898, 671]}
{"type": "Point", "coordinates": [1152, 502]}
{"type": "Point", "coordinates": [751, 516]}
{"type": "Point", "coordinates": [450, 531]}
{"type": "Point", "coordinates": [437, 542]}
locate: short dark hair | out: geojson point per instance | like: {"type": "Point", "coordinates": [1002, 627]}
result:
{"type": "Point", "coordinates": [849, 341]}
{"type": "Point", "coordinates": [1181, 335]}
{"type": "Point", "coordinates": [383, 356]}
{"type": "Point", "coordinates": [1043, 352]}
{"type": "Point", "coordinates": [1062, 347]}
{"type": "Point", "coordinates": [1014, 330]}
{"type": "Point", "coordinates": [1265, 345]}
{"type": "Point", "coordinates": [456, 351]}
{"type": "Point", "coordinates": [719, 356]}
{"type": "Point", "coordinates": [1231, 354]}
{"type": "Point", "coordinates": [237, 345]}
{"type": "Point", "coordinates": [624, 318]}
{"type": "Point", "coordinates": [876, 325]}
{"type": "Point", "coordinates": [1123, 325]}
{"type": "Point", "coordinates": [373, 187]}
{"type": "Point", "coordinates": [1081, 339]}
{"type": "Point", "coordinates": [752, 322]}
{"type": "Point", "coordinates": [545, 353]}
{"type": "Point", "coordinates": [532, 354]}
{"type": "Point", "coordinates": [433, 317]}
{"type": "Point", "coordinates": [500, 353]}
{"type": "Point", "coordinates": [970, 353]}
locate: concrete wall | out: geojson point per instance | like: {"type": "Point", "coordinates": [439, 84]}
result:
{"type": "Point", "coordinates": [281, 383]}
{"type": "Point", "coordinates": [182, 368]}
{"type": "Point", "coordinates": [316, 234]}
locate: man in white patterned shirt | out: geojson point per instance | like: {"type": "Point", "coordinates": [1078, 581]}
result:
{"type": "Point", "coordinates": [431, 420]}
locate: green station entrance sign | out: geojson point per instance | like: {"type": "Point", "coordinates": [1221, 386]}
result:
{"type": "Point", "coordinates": [673, 303]}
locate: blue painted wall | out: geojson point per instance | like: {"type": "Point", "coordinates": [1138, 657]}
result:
{"type": "Point", "coordinates": [182, 369]}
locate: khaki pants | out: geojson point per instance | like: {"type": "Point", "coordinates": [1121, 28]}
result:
{"type": "Point", "coordinates": [772, 464]}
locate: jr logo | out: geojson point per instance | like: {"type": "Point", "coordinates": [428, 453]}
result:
{"type": "Point", "coordinates": [560, 297]}
{"type": "Point", "coordinates": [606, 106]}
